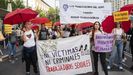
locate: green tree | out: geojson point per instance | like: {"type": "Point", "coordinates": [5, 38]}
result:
{"type": "Point", "coordinates": [3, 4]}
{"type": "Point", "coordinates": [41, 12]}
{"type": "Point", "coordinates": [53, 14]}
{"type": "Point", "coordinates": [15, 4]}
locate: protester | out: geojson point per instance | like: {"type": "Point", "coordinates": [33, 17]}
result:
{"type": "Point", "coordinates": [73, 31]}
{"type": "Point", "coordinates": [130, 32]}
{"type": "Point", "coordinates": [43, 34]}
{"type": "Point", "coordinates": [118, 47]}
{"type": "Point", "coordinates": [131, 16]}
{"type": "Point", "coordinates": [66, 31]}
{"type": "Point", "coordinates": [94, 32]}
{"type": "Point", "coordinates": [53, 33]}
{"type": "Point", "coordinates": [59, 32]}
{"type": "Point", "coordinates": [12, 45]}
{"type": "Point", "coordinates": [124, 47]}
{"type": "Point", "coordinates": [18, 32]}
{"type": "Point", "coordinates": [29, 48]}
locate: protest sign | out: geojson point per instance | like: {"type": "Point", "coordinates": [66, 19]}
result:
{"type": "Point", "coordinates": [104, 42]}
{"type": "Point", "coordinates": [121, 16]}
{"type": "Point", "coordinates": [68, 56]}
{"type": "Point", "coordinates": [7, 28]}
{"type": "Point", "coordinates": [78, 12]}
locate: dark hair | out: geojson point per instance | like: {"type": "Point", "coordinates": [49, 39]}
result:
{"type": "Point", "coordinates": [95, 23]}
{"type": "Point", "coordinates": [117, 24]}
{"type": "Point", "coordinates": [93, 31]}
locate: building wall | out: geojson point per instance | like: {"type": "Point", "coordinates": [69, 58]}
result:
{"type": "Point", "coordinates": [117, 4]}
{"type": "Point", "coordinates": [39, 4]}
{"type": "Point", "coordinates": [36, 4]}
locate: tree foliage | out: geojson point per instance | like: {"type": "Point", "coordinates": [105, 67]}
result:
{"type": "Point", "coordinates": [15, 4]}
{"type": "Point", "coordinates": [52, 14]}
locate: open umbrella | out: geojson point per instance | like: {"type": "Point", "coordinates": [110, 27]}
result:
{"type": "Point", "coordinates": [34, 27]}
{"type": "Point", "coordinates": [57, 23]}
{"type": "Point", "coordinates": [84, 25]}
{"type": "Point", "coordinates": [128, 8]}
{"type": "Point", "coordinates": [19, 16]}
{"type": "Point", "coordinates": [108, 24]}
{"type": "Point", "coordinates": [126, 24]}
{"type": "Point", "coordinates": [40, 20]}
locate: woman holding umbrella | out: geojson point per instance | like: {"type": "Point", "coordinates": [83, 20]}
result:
{"type": "Point", "coordinates": [29, 48]}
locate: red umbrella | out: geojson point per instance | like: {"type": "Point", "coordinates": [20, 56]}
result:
{"type": "Point", "coordinates": [19, 16]}
{"type": "Point", "coordinates": [40, 20]}
{"type": "Point", "coordinates": [108, 24]}
{"type": "Point", "coordinates": [84, 25]}
{"type": "Point", "coordinates": [34, 27]}
{"type": "Point", "coordinates": [126, 24]}
{"type": "Point", "coordinates": [57, 23]}
{"type": "Point", "coordinates": [128, 8]}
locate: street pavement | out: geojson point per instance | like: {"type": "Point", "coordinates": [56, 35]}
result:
{"type": "Point", "coordinates": [18, 68]}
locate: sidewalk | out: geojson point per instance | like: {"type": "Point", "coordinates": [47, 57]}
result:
{"type": "Point", "coordinates": [5, 52]}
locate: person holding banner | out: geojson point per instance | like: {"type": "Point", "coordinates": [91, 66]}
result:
{"type": "Point", "coordinates": [130, 32]}
{"type": "Point", "coordinates": [131, 16]}
{"type": "Point", "coordinates": [29, 54]}
{"type": "Point", "coordinates": [118, 46]}
{"type": "Point", "coordinates": [43, 33]}
{"type": "Point", "coordinates": [94, 32]}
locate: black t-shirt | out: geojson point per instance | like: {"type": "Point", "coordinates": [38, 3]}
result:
{"type": "Point", "coordinates": [43, 34]}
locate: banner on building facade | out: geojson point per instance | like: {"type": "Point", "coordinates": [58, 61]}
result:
{"type": "Point", "coordinates": [79, 12]}
{"type": "Point", "coordinates": [68, 56]}
{"type": "Point", "coordinates": [104, 42]}
{"type": "Point", "coordinates": [121, 16]}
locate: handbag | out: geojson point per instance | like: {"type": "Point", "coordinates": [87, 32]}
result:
{"type": "Point", "coordinates": [1, 36]}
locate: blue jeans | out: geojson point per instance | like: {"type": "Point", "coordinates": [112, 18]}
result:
{"type": "Point", "coordinates": [12, 48]}
{"type": "Point", "coordinates": [117, 53]}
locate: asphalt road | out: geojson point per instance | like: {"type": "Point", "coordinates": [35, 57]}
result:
{"type": "Point", "coordinates": [18, 68]}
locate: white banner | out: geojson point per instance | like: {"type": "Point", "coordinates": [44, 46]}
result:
{"type": "Point", "coordinates": [67, 56]}
{"type": "Point", "coordinates": [78, 12]}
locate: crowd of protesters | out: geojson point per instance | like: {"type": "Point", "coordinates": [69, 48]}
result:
{"type": "Point", "coordinates": [27, 37]}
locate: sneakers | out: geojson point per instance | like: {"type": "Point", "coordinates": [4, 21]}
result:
{"type": "Point", "coordinates": [121, 68]}
{"type": "Point", "coordinates": [124, 59]}
{"type": "Point", "coordinates": [16, 58]}
{"type": "Point", "coordinates": [12, 61]}
{"type": "Point", "coordinates": [108, 67]}
{"type": "Point", "coordinates": [27, 73]}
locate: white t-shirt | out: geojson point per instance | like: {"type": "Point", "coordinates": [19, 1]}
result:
{"type": "Point", "coordinates": [30, 39]}
{"type": "Point", "coordinates": [118, 33]}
